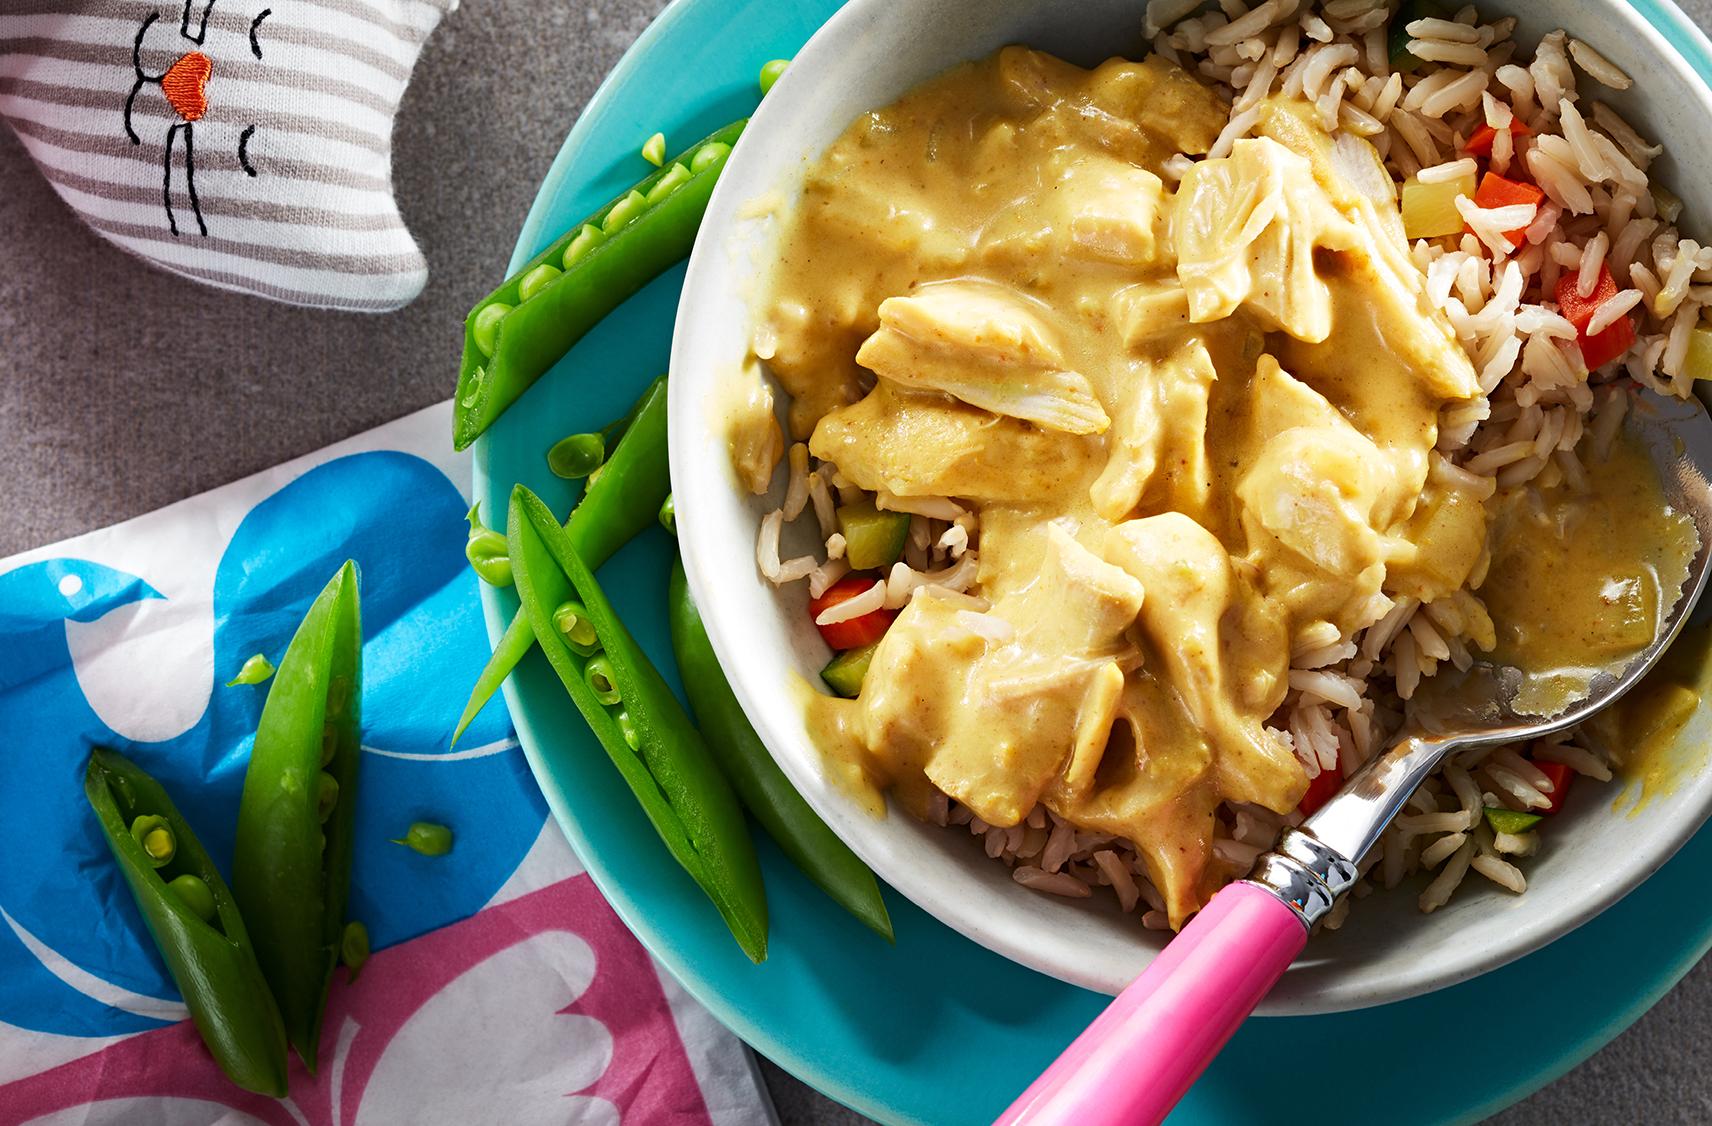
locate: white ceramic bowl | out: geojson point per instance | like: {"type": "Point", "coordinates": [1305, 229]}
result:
{"type": "Point", "coordinates": [866, 56]}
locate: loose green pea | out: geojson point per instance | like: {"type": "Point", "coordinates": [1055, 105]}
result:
{"type": "Point", "coordinates": [338, 695]}
{"type": "Point", "coordinates": [155, 834]}
{"type": "Point", "coordinates": [586, 240]}
{"type": "Point", "coordinates": [487, 325]}
{"type": "Point", "coordinates": [707, 154]}
{"type": "Point", "coordinates": [535, 280]}
{"type": "Point", "coordinates": [669, 515]}
{"type": "Point", "coordinates": [427, 838]}
{"type": "Point", "coordinates": [326, 796]}
{"type": "Point", "coordinates": [572, 621]}
{"type": "Point", "coordinates": [576, 456]}
{"type": "Point", "coordinates": [476, 380]}
{"type": "Point", "coordinates": [627, 728]}
{"type": "Point", "coordinates": [625, 212]}
{"type": "Point", "coordinates": [654, 149]}
{"type": "Point", "coordinates": [354, 947]}
{"type": "Point", "coordinates": [770, 73]}
{"type": "Point", "coordinates": [255, 670]}
{"type": "Point", "coordinates": [598, 674]}
{"type": "Point", "coordinates": [193, 890]}
{"type": "Point", "coordinates": [487, 551]}
{"type": "Point", "coordinates": [664, 186]}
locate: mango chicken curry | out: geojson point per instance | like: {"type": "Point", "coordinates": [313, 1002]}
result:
{"type": "Point", "coordinates": [1194, 405]}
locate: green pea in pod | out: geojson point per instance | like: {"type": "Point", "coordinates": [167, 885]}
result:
{"type": "Point", "coordinates": [156, 838]}
{"type": "Point", "coordinates": [197, 895]}
{"type": "Point", "coordinates": [291, 870]}
{"type": "Point", "coordinates": [354, 948]}
{"type": "Point", "coordinates": [195, 923]}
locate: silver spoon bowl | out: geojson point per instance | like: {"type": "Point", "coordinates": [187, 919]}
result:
{"type": "Point", "coordinates": [1456, 711]}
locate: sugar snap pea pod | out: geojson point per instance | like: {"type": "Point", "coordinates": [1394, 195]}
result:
{"type": "Point", "coordinates": [621, 501]}
{"type": "Point", "coordinates": [664, 759]}
{"type": "Point", "coordinates": [623, 247]}
{"type": "Point", "coordinates": [513, 645]}
{"type": "Point", "coordinates": [762, 786]}
{"type": "Point", "coordinates": [291, 867]}
{"type": "Point", "coordinates": [618, 505]}
{"type": "Point", "coordinates": [212, 961]}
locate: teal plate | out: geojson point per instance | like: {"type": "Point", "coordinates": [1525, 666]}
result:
{"type": "Point", "coordinates": [939, 1030]}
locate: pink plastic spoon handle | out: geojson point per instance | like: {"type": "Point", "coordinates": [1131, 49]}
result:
{"type": "Point", "coordinates": [1140, 1056]}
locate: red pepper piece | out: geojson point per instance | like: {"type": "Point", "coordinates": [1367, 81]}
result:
{"type": "Point", "coordinates": [1597, 351]}
{"type": "Point", "coordinates": [1320, 791]}
{"type": "Point", "coordinates": [1614, 340]}
{"type": "Point", "coordinates": [852, 633]}
{"type": "Point", "coordinates": [1496, 191]}
{"type": "Point", "coordinates": [1560, 776]}
{"type": "Point", "coordinates": [1480, 144]}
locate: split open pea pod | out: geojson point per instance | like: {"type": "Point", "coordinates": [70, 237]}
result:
{"type": "Point", "coordinates": [213, 961]}
{"type": "Point", "coordinates": [618, 505]}
{"type": "Point", "coordinates": [291, 870]}
{"type": "Point", "coordinates": [663, 759]}
{"type": "Point", "coordinates": [638, 236]}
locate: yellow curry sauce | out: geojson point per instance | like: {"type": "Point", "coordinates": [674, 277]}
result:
{"type": "Point", "coordinates": [1580, 581]}
{"type": "Point", "coordinates": [1197, 422]}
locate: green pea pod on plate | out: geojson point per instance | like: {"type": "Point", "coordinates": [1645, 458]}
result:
{"type": "Point", "coordinates": [618, 505]}
{"type": "Point", "coordinates": [212, 960]}
{"type": "Point", "coordinates": [521, 329]}
{"type": "Point", "coordinates": [763, 787]}
{"type": "Point", "coordinates": [645, 732]}
{"type": "Point", "coordinates": [291, 867]}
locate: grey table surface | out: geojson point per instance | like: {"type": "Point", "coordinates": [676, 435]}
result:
{"type": "Point", "coordinates": [123, 389]}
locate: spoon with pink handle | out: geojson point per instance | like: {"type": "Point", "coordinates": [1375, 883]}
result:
{"type": "Point", "coordinates": [1139, 1057]}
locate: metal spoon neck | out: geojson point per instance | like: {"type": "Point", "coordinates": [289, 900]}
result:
{"type": "Point", "coordinates": [1353, 819]}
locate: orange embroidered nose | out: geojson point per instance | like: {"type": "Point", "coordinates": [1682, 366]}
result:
{"type": "Point", "coordinates": [186, 85]}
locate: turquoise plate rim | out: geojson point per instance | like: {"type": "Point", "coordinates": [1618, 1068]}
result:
{"type": "Point", "coordinates": [939, 1030]}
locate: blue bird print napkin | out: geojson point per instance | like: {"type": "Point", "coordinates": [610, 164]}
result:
{"type": "Point", "coordinates": [502, 987]}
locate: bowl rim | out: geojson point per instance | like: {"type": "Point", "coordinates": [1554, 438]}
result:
{"type": "Point", "coordinates": [944, 894]}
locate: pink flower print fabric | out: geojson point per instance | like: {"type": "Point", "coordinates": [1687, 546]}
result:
{"type": "Point", "coordinates": [543, 1008]}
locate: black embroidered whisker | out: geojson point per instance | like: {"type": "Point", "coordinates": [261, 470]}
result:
{"type": "Point", "coordinates": [243, 147]}
{"type": "Point", "coordinates": [166, 188]}
{"type": "Point", "coordinates": [255, 45]}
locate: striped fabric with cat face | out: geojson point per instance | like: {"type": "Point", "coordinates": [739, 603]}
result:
{"type": "Point", "coordinates": [246, 144]}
